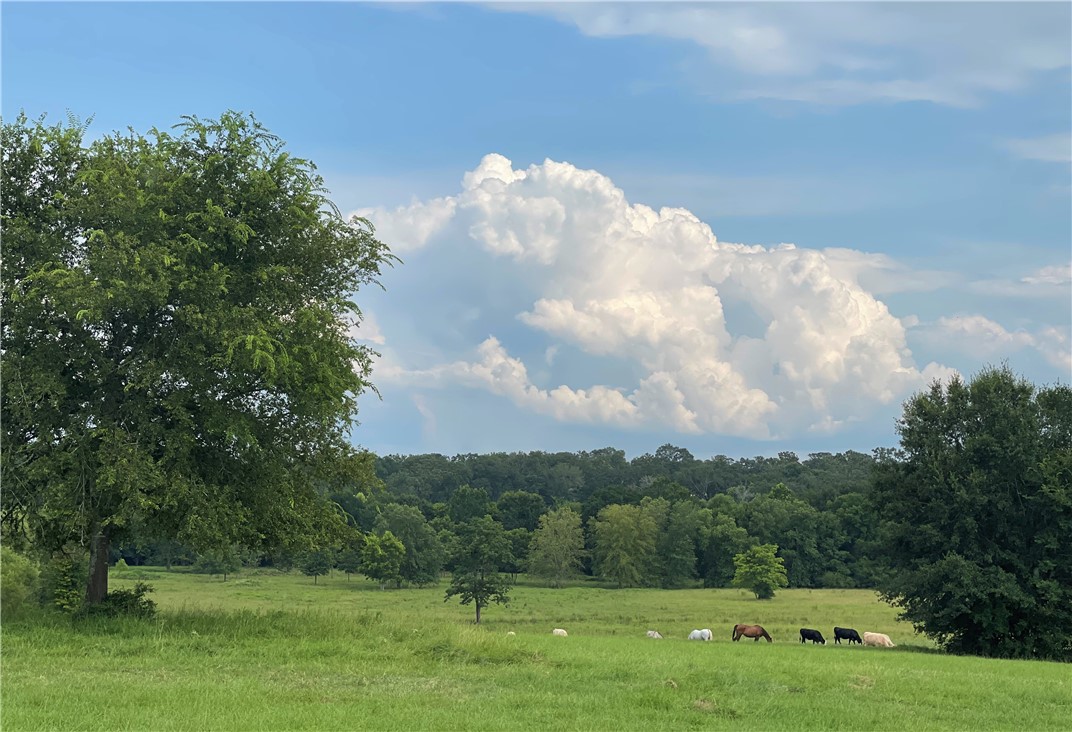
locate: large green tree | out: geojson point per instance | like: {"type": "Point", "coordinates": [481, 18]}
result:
{"type": "Point", "coordinates": [976, 516]}
{"type": "Point", "coordinates": [557, 546]}
{"type": "Point", "coordinates": [676, 546]}
{"type": "Point", "coordinates": [178, 349]}
{"type": "Point", "coordinates": [468, 503]}
{"type": "Point", "coordinates": [481, 549]}
{"type": "Point", "coordinates": [382, 557]}
{"type": "Point", "coordinates": [623, 544]}
{"type": "Point", "coordinates": [424, 554]}
{"type": "Point", "coordinates": [723, 539]}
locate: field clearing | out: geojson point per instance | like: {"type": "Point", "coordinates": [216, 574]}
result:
{"type": "Point", "coordinates": [275, 652]}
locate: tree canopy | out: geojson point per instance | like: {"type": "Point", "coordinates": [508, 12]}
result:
{"type": "Point", "coordinates": [178, 349]}
{"type": "Point", "coordinates": [976, 509]}
{"type": "Point", "coordinates": [557, 546]}
{"type": "Point", "coordinates": [624, 544]}
{"type": "Point", "coordinates": [760, 570]}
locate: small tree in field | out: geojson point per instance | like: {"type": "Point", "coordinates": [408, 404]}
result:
{"type": "Point", "coordinates": [223, 561]}
{"type": "Point", "coordinates": [760, 570]}
{"type": "Point", "coordinates": [316, 563]}
{"type": "Point", "coordinates": [350, 561]}
{"type": "Point", "coordinates": [482, 547]}
{"type": "Point", "coordinates": [381, 558]}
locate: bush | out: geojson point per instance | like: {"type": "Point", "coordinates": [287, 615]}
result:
{"type": "Point", "coordinates": [836, 580]}
{"type": "Point", "coordinates": [18, 582]}
{"type": "Point", "coordinates": [130, 603]}
{"type": "Point", "coordinates": [63, 581]}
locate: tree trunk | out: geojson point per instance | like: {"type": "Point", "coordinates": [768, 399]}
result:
{"type": "Point", "coordinates": [477, 613]}
{"type": "Point", "coordinates": [97, 587]}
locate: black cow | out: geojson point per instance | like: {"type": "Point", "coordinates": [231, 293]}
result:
{"type": "Point", "coordinates": [847, 634]}
{"type": "Point", "coordinates": [807, 634]}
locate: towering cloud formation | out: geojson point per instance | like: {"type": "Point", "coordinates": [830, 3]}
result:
{"type": "Point", "coordinates": [657, 289]}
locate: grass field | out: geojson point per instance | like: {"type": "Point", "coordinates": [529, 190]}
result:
{"type": "Point", "coordinates": [274, 652]}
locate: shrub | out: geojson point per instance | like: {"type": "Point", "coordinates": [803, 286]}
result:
{"type": "Point", "coordinates": [63, 580]}
{"type": "Point", "coordinates": [18, 582]}
{"type": "Point", "coordinates": [130, 603]}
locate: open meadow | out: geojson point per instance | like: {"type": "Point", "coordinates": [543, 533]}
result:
{"type": "Point", "coordinates": [269, 651]}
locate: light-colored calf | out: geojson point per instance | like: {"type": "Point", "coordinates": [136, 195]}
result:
{"type": "Point", "coordinates": [559, 631]}
{"type": "Point", "coordinates": [655, 634]}
{"type": "Point", "coordinates": [878, 639]}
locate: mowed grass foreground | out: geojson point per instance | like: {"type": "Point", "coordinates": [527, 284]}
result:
{"type": "Point", "coordinates": [275, 652]}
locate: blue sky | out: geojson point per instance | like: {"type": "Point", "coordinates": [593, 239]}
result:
{"type": "Point", "coordinates": [595, 203]}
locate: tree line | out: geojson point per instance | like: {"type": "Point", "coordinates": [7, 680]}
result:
{"type": "Point", "coordinates": [652, 532]}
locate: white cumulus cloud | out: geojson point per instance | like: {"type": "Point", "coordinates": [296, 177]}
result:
{"type": "Point", "coordinates": [658, 290]}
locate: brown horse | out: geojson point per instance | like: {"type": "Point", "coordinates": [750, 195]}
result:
{"type": "Point", "coordinates": [750, 631]}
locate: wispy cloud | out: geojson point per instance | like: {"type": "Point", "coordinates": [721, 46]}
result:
{"type": "Point", "coordinates": [1057, 274]}
{"type": "Point", "coordinates": [849, 53]}
{"type": "Point", "coordinates": [1052, 281]}
{"type": "Point", "coordinates": [1050, 148]}
{"type": "Point", "coordinates": [982, 338]}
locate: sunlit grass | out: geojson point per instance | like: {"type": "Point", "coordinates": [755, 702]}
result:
{"type": "Point", "coordinates": [275, 652]}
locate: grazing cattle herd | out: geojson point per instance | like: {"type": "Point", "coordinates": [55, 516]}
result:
{"type": "Point", "coordinates": [755, 632]}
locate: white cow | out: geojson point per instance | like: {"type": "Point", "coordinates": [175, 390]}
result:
{"type": "Point", "coordinates": [559, 631]}
{"type": "Point", "coordinates": [655, 634]}
{"type": "Point", "coordinates": [707, 634]}
{"type": "Point", "coordinates": [878, 639]}
{"type": "Point", "coordinates": [510, 632]}
{"type": "Point", "coordinates": [704, 635]}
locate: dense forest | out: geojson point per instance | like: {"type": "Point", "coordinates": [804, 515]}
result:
{"type": "Point", "coordinates": [685, 518]}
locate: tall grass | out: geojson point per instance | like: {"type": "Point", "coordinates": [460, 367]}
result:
{"type": "Point", "coordinates": [275, 652]}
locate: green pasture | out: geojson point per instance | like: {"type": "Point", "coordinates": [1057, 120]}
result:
{"type": "Point", "coordinates": [265, 651]}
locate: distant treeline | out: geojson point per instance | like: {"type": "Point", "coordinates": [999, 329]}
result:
{"type": "Point", "coordinates": [687, 518]}
{"type": "Point", "coordinates": [586, 476]}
